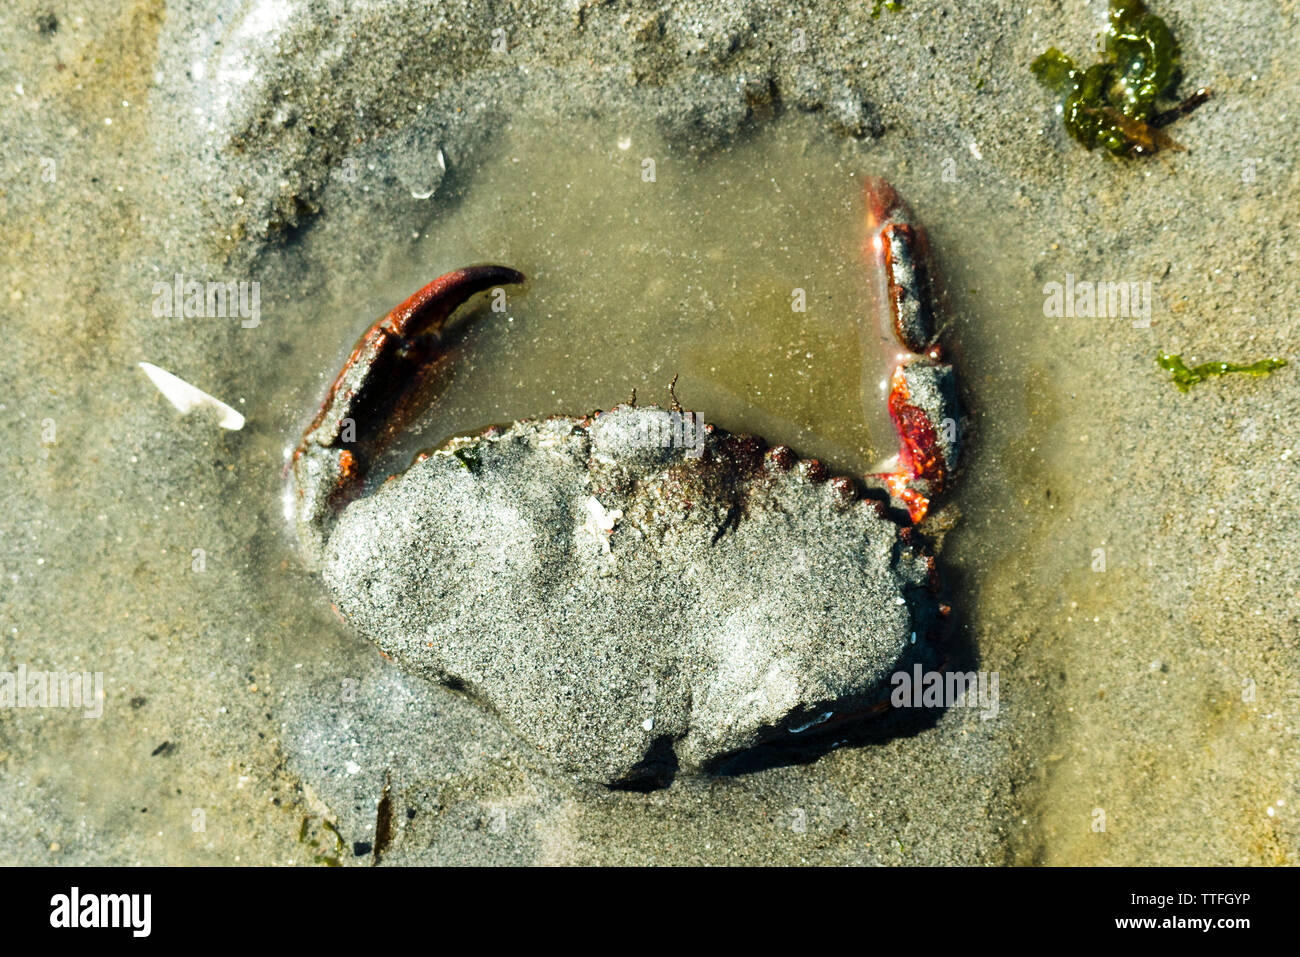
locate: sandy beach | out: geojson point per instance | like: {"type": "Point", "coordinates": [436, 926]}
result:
{"type": "Point", "coordinates": [1121, 554]}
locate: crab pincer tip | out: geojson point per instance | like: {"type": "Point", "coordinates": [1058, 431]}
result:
{"type": "Point", "coordinates": [881, 201]}
{"type": "Point", "coordinates": [430, 306]}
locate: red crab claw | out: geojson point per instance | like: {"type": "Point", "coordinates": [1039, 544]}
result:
{"type": "Point", "coordinates": [375, 395]}
{"type": "Point", "coordinates": [922, 390]}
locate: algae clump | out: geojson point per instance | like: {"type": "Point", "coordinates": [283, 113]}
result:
{"type": "Point", "coordinates": [1112, 103]}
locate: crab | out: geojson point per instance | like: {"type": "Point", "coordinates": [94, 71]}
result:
{"type": "Point", "coordinates": [634, 592]}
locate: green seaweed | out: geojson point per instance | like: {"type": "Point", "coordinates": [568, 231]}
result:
{"type": "Point", "coordinates": [1111, 103]}
{"type": "Point", "coordinates": [328, 860]}
{"type": "Point", "coordinates": [893, 6]}
{"type": "Point", "coordinates": [333, 829]}
{"type": "Point", "coordinates": [470, 458]}
{"type": "Point", "coordinates": [1185, 378]}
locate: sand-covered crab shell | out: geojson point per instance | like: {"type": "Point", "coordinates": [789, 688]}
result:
{"type": "Point", "coordinates": [628, 608]}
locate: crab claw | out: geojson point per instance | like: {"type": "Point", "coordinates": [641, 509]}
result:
{"type": "Point", "coordinates": [374, 396]}
{"type": "Point", "coordinates": [901, 248]}
{"type": "Point", "coordinates": [922, 389]}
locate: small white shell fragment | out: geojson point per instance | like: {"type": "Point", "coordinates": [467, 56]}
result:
{"type": "Point", "coordinates": [186, 398]}
{"type": "Point", "coordinates": [600, 521]}
{"type": "Point", "coordinates": [425, 194]}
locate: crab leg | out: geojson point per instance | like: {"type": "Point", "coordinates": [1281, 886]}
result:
{"type": "Point", "coordinates": [374, 396]}
{"type": "Point", "coordinates": [922, 391]}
